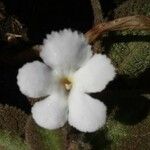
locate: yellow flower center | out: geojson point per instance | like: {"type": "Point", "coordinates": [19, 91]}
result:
{"type": "Point", "coordinates": [67, 83]}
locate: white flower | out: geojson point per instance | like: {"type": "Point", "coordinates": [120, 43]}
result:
{"type": "Point", "coordinates": [69, 73]}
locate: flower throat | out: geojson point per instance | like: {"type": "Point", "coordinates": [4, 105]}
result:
{"type": "Point", "coordinates": [67, 83]}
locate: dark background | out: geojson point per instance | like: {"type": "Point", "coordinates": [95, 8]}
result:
{"type": "Point", "coordinates": [41, 17]}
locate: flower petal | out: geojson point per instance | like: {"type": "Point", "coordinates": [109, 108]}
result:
{"type": "Point", "coordinates": [34, 79]}
{"type": "Point", "coordinates": [65, 50]}
{"type": "Point", "coordinates": [95, 74]}
{"type": "Point", "coordinates": [86, 113]}
{"type": "Point", "coordinates": [51, 113]}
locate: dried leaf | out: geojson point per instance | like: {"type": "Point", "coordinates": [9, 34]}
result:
{"type": "Point", "coordinates": [12, 119]}
{"type": "Point", "coordinates": [11, 30]}
{"type": "Point", "coordinates": [12, 124]}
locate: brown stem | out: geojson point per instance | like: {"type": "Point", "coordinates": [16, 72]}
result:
{"type": "Point", "coordinates": [130, 22]}
{"type": "Point", "coordinates": [97, 11]}
{"type": "Point", "coordinates": [98, 18]}
{"type": "Point", "coordinates": [2, 11]}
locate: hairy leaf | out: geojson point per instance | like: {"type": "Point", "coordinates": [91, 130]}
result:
{"type": "Point", "coordinates": [40, 138]}
{"type": "Point", "coordinates": [130, 50]}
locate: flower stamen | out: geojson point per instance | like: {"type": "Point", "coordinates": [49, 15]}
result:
{"type": "Point", "coordinates": [67, 84]}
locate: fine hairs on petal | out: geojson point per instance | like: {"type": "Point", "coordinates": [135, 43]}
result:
{"type": "Point", "coordinates": [51, 113]}
{"type": "Point", "coordinates": [95, 74]}
{"type": "Point", "coordinates": [65, 50]}
{"type": "Point", "coordinates": [34, 79]}
{"type": "Point", "coordinates": [68, 63]}
{"type": "Point", "coordinates": [86, 113]}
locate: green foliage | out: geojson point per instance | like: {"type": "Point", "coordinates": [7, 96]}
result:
{"type": "Point", "coordinates": [60, 139]}
{"type": "Point", "coordinates": [11, 142]}
{"type": "Point", "coordinates": [12, 119]}
{"type": "Point", "coordinates": [120, 136]}
{"type": "Point", "coordinates": [130, 50]}
{"type": "Point", "coordinates": [12, 123]}
{"type": "Point", "coordinates": [133, 7]}
{"type": "Point", "coordinates": [128, 123]}
{"type": "Point", "coordinates": [52, 139]}
{"type": "Point", "coordinates": [131, 58]}
{"type": "Point", "coordinates": [131, 137]}
{"type": "Point", "coordinates": [40, 138]}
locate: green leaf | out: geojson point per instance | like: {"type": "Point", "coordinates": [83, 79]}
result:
{"type": "Point", "coordinates": [11, 142]}
{"type": "Point", "coordinates": [131, 137]}
{"type": "Point", "coordinates": [12, 124]}
{"type": "Point", "coordinates": [132, 7]}
{"type": "Point", "coordinates": [52, 139]}
{"type": "Point", "coordinates": [40, 138]}
{"type": "Point", "coordinates": [130, 49]}
{"type": "Point", "coordinates": [131, 58]}
{"type": "Point", "coordinates": [128, 123]}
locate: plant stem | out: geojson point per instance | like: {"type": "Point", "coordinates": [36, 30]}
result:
{"type": "Point", "coordinates": [98, 18]}
{"type": "Point", "coordinates": [129, 22]}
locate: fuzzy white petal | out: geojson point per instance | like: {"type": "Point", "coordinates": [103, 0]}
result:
{"type": "Point", "coordinates": [65, 50]}
{"type": "Point", "coordinates": [34, 79]}
{"type": "Point", "coordinates": [86, 113]}
{"type": "Point", "coordinates": [95, 74]}
{"type": "Point", "coordinates": [51, 113]}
